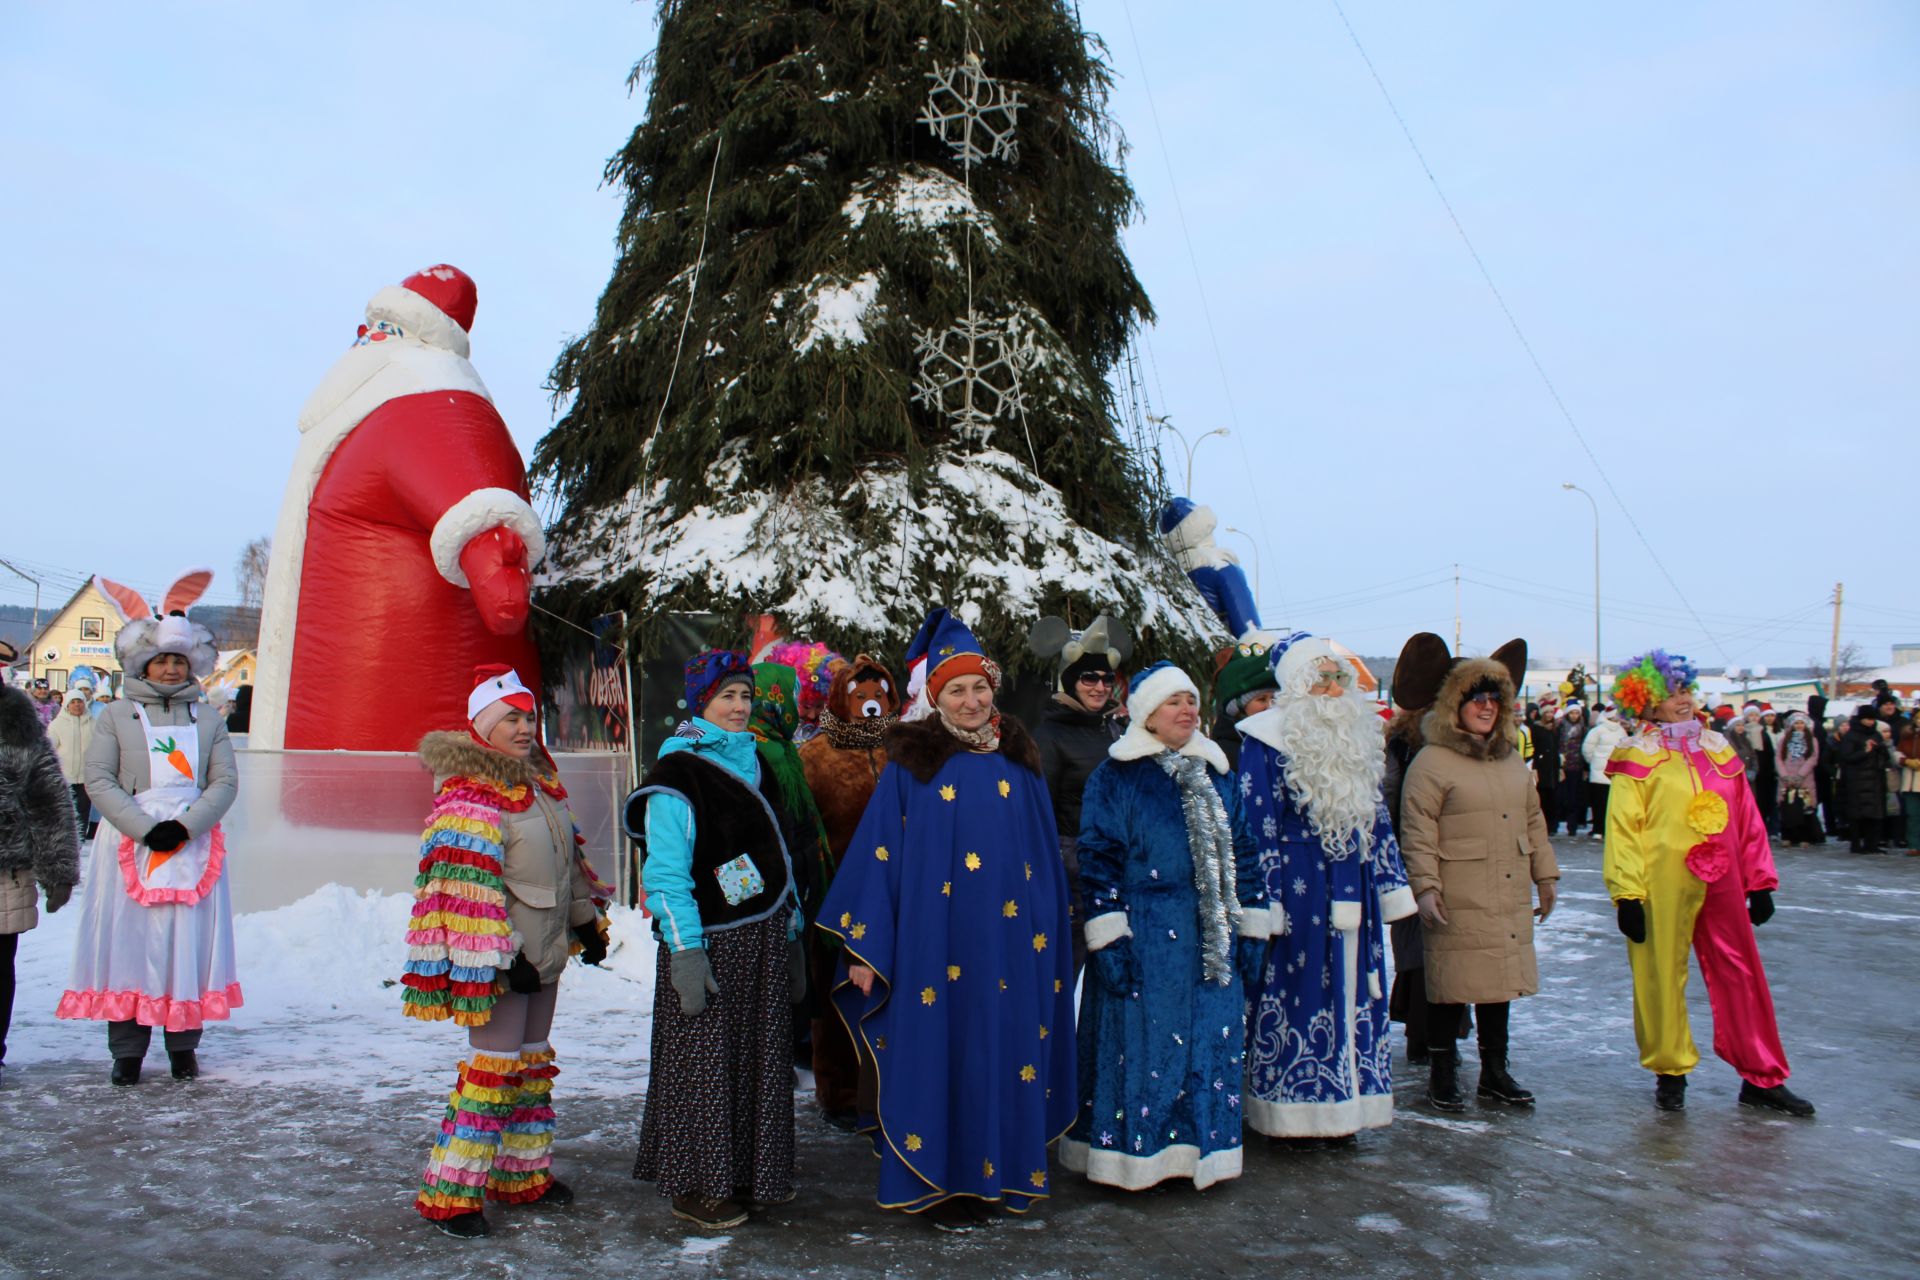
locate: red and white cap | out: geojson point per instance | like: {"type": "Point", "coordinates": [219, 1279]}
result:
{"type": "Point", "coordinates": [496, 688]}
{"type": "Point", "coordinates": [434, 305]}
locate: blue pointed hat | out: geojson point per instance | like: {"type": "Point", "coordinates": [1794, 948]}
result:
{"type": "Point", "coordinates": [950, 644]}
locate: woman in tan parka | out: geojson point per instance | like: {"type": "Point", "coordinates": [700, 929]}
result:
{"type": "Point", "coordinates": [1476, 846]}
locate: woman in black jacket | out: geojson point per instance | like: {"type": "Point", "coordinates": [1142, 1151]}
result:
{"type": "Point", "coordinates": [1078, 724]}
{"type": "Point", "coordinates": [1863, 781]}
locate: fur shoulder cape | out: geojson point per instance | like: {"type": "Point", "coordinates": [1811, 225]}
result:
{"type": "Point", "coordinates": [922, 746]}
{"type": "Point", "coordinates": [452, 756]}
{"type": "Point", "coordinates": [1441, 725]}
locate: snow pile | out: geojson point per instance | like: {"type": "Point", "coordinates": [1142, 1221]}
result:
{"type": "Point", "coordinates": [983, 536]}
{"type": "Point", "coordinates": [917, 196]}
{"type": "Point", "coordinates": [321, 982]}
{"type": "Point", "coordinates": [838, 312]}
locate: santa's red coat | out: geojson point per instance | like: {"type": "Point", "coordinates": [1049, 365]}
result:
{"type": "Point", "coordinates": [385, 646]}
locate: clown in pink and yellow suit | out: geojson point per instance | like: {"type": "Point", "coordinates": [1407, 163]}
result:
{"type": "Point", "coordinates": [1689, 868]}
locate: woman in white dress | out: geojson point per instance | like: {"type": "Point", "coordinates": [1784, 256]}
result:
{"type": "Point", "coordinates": [156, 931]}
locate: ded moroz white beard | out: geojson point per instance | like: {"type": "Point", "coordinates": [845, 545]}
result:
{"type": "Point", "coordinates": [1335, 757]}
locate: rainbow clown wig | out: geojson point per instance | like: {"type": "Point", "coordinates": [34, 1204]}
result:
{"type": "Point", "coordinates": [1651, 679]}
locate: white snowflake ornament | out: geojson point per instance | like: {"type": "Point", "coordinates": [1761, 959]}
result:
{"type": "Point", "coordinates": [972, 113]}
{"type": "Point", "coordinates": [970, 373]}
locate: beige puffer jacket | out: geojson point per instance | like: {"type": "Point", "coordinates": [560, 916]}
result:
{"type": "Point", "coordinates": [1471, 827]}
{"type": "Point", "coordinates": [548, 892]}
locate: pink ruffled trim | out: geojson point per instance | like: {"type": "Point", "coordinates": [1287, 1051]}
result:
{"type": "Point", "coordinates": [216, 862]}
{"type": "Point", "coordinates": [151, 1011]}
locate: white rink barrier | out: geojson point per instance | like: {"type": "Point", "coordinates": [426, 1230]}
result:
{"type": "Point", "coordinates": [305, 819]}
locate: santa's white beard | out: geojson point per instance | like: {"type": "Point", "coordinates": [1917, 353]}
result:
{"type": "Point", "coordinates": [1335, 757]}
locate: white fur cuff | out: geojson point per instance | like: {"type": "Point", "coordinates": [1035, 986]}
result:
{"type": "Point", "coordinates": [1345, 916]}
{"type": "Point", "coordinates": [1258, 922]}
{"type": "Point", "coordinates": [479, 511]}
{"type": "Point", "coordinates": [1397, 904]}
{"type": "Point", "coordinates": [1106, 929]}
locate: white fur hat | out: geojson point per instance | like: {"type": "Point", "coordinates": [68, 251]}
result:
{"type": "Point", "coordinates": [144, 639]}
{"type": "Point", "coordinates": [1300, 652]}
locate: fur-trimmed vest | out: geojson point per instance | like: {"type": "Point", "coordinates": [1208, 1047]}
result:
{"type": "Point", "coordinates": [922, 746]}
{"type": "Point", "coordinates": [736, 827]}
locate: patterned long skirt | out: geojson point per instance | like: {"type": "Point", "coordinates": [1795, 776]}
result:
{"type": "Point", "coordinates": [719, 1107]}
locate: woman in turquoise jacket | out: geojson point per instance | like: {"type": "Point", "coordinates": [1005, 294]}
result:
{"type": "Point", "coordinates": [717, 1137]}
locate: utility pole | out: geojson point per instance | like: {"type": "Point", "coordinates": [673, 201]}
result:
{"type": "Point", "coordinates": [1833, 662]}
{"type": "Point", "coordinates": [1596, 578]}
{"type": "Point", "coordinates": [1456, 610]}
{"type": "Point", "coordinates": [33, 657]}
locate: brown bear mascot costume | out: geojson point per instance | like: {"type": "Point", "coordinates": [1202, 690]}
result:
{"type": "Point", "coordinates": [842, 765]}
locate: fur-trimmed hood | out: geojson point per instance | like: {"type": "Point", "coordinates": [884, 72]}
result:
{"type": "Point", "coordinates": [451, 754]}
{"type": "Point", "coordinates": [922, 746]}
{"type": "Point", "coordinates": [1441, 724]}
{"type": "Point", "coordinates": [19, 721]}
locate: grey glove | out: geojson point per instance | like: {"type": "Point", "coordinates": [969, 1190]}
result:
{"type": "Point", "coordinates": [692, 975]}
{"type": "Point", "coordinates": [796, 972]}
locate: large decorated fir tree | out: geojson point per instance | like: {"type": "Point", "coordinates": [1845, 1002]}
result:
{"type": "Point", "coordinates": [853, 358]}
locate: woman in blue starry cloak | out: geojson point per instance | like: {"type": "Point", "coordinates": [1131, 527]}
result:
{"type": "Point", "coordinates": [1319, 1058]}
{"type": "Point", "coordinates": [957, 982]}
{"type": "Point", "coordinates": [1177, 918]}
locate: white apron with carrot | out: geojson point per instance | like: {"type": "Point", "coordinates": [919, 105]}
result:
{"type": "Point", "coordinates": [156, 931]}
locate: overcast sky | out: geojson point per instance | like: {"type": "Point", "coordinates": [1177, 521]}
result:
{"type": "Point", "coordinates": [1703, 218]}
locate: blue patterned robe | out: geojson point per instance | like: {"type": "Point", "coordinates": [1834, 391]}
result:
{"type": "Point", "coordinates": [1161, 1072]}
{"type": "Point", "coordinates": [1319, 1055]}
{"type": "Point", "coordinates": [953, 892]}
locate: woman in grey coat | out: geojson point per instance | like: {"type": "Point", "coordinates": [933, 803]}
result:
{"type": "Point", "coordinates": [39, 840]}
{"type": "Point", "coordinates": [156, 928]}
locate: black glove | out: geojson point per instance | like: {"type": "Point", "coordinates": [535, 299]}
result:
{"type": "Point", "coordinates": [166, 836]}
{"type": "Point", "coordinates": [1759, 906]}
{"type": "Point", "coordinates": [796, 972]}
{"type": "Point", "coordinates": [1115, 966]}
{"type": "Point", "coordinates": [57, 897]}
{"type": "Point", "coordinates": [1633, 919]}
{"type": "Point", "coordinates": [523, 977]}
{"type": "Point", "coordinates": [1250, 958]}
{"type": "Point", "coordinates": [593, 947]}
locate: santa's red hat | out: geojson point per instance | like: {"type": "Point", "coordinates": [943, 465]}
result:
{"type": "Point", "coordinates": [434, 305]}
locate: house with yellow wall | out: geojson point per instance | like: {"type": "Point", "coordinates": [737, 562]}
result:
{"type": "Point", "coordinates": [80, 634]}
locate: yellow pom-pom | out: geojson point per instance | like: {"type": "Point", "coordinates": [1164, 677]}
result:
{"type": "Point", "coordinates": [1707, 814]}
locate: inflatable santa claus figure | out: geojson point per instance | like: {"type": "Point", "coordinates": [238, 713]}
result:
{"type": "Point", "coordinates": [406, 534]}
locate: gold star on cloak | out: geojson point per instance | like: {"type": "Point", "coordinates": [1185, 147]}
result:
{"type": "Point", "coordinates": [1039, 942]}
{"type": "Point", "coordinates": [1028, 1074]}
{"type": "Point", "coordinates": [973, 862]}
{"type": "Point", "coordinates": [880, 852]}
{"type": "Point", "coordinates": [1011, 910]}
{"type": "Point", "coordinates": [1006, 788]}
{"type": "Point", "coordinates": [928, 995]}
{"type": "Point", "coordinates": [913, 1142]}
{"type": "Point", "coordinates": [946, 792]}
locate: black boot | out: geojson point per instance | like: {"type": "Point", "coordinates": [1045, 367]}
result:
{"type": "Point", "coordinates": [558, 1195]}
{"type": "Point", "coordinates": [1443, 1081]}
{"type": "Point", "coordinates": [1496, 1083]}
{"type": "Point", "coordinates": [185, 1065]}
{"type": "Point", "coordinates": [1670, 1093]}
{"type": "Point", "coordinates": [1778, 1098]}
{"type": "Point", "coordinates": [463, 1226]}
{"type": "Point", "coordinates": [126, 1071]}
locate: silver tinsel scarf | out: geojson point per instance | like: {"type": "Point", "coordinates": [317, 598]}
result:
{"type": "Point", "coordinates": [1210, 840]}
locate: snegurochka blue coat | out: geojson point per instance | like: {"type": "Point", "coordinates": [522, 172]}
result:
{"type": "Point", "coordinates": [952, 891]}
{"type": "Point", "coordinates": [1161, 1068]}
{"type": "Point", "coordinates": [1319, 1059]}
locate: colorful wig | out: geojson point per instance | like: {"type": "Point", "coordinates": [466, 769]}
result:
{"type": "Point", "coordinates": [1651, 679]}
{"type": "Point", "coordinates": [812, 663]}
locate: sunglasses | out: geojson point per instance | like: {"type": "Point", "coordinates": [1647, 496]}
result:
{"type": "Point", "coordinates": [1331, 678]}
{"type": "Point", "coordinates": [1482, 698]}
{"type": "Point", "coordinates": [1098, 677]}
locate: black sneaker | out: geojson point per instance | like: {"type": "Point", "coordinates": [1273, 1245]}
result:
{"type": "Point", "coordinates": [1670, 1093]}
{"type": "Point", "coordinates": [712, 1215]}
{"type": "Point", "coordinates": [125, 1071]}
{"type": "Point", "coordinates": [463, 1226]}
{"type": "Point", "coordinates": [1778, 1098]}
{"type": "Point", "coordinates": [558, 1195]}
{"type": "Point", "coordinates": [185, 1065]}
{"type": "Point", "coordinates": [954, 1215]}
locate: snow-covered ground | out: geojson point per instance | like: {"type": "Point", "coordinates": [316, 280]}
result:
{"type": "Point", "coordinates": [321, 983]}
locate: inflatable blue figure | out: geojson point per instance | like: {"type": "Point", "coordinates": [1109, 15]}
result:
{"type": "Point", "coordinates": [1223, 584]}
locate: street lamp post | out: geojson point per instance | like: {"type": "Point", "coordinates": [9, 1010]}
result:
{"type": "Point", "coordinates": [1256, 563]}
{"type": "Point", "coordinates": [1596, 576]}
{"type": "Point", "coordinates": [1165, 425]}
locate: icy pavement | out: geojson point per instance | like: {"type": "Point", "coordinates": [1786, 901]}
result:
{"type": "Point", "coordinates": [295, 1153]}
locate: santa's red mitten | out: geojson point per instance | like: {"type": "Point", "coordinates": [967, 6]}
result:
{"type": "Point", "coordinates": [495, 563]}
